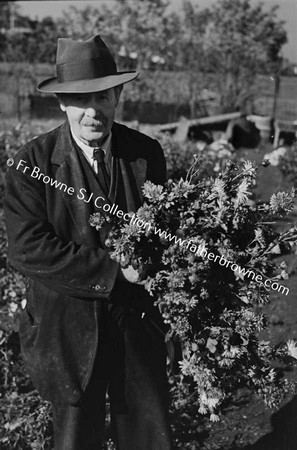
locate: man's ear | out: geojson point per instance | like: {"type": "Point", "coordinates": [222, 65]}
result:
{"type": "Point", "coordinates": [61, 102]}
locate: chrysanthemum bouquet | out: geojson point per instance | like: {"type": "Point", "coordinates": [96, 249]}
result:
{"type": "Point", "coordinates": [208, 256]}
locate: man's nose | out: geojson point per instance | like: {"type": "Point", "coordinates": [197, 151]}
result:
{"type": "Point", "coordinates": [93, 107]}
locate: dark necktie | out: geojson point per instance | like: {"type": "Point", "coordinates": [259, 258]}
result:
{"type": "Point", "coordinates": [103, 177]}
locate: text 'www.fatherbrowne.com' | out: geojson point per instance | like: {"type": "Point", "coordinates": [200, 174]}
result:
{"type": "Point", "coordinates": [201, 251]}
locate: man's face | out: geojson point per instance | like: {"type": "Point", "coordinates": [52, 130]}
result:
{"type": "Point", "coordinates": [91, 115]}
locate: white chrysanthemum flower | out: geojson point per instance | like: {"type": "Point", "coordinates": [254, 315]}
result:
{"type": "Point", "coordinates": [13, 307]}
{"type": "Point", "coordinates": [243, 193]}
{"type": "Point", "coordinates": [231, 352]}
{"type": "Point", "coordinates": [210, 402]}
{"type": "Point", "coordinates": [292, 348]}
{"type": "Point", "coordinates": [202, 410]}
{"type": "Point", "coordinates": [214, 418]}
{"type": "Point", "coordinates": [185, 366]}
{"type": "Point", "coordinates": [247, 165]}
{"type": "Point", "coordinates": [219, 186]}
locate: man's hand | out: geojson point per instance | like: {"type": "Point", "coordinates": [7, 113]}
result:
{"type": "Point", "coordinates": [131, 275]}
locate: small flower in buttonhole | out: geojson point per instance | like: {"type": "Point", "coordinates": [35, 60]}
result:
{"type": "Point", "coordinates": [97, 220]}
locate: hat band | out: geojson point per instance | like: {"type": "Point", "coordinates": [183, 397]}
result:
{"type": "Point", "coordinates": [85, 69]}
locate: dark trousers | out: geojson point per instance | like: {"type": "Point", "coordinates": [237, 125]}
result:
{"type": "Point", "coordinates": [132, 366]}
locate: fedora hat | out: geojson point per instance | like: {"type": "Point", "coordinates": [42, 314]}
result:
{"type": "Point", "coordinates": [84, 66]}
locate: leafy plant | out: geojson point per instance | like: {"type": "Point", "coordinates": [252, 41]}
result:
{"type": "Point", "coordinates": [24, 418]}
{"type": "Point", "coordinates": [213, 309]}
{"type": "Point", "coordinates": [179, 157]}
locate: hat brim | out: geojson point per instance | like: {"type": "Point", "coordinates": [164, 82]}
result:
{"type": "Point", "coordinates": [51, 85]}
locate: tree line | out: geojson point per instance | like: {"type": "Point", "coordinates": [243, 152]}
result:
{"type": "Point", "coordinates": [222, 46]}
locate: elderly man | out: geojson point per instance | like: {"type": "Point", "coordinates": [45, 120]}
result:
{"type": "Point", "coordinates": [87, 328]}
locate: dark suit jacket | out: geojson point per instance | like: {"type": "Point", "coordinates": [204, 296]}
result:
{"type": "Point", "coordinates": [51, 241]}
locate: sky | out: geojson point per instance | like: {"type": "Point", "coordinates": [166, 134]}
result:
{"type": "Point", "coordinates": [287, 12]}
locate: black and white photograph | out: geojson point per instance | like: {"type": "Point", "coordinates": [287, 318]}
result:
{"type": "Point", "coordinates": [148, 225]}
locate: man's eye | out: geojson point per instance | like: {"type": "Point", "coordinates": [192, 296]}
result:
{"type": "Point", "coordinates": [81, 98]}
{"type": "Point", "coordinates": [103, 96]}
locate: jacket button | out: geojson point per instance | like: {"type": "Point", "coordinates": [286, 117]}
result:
{"type": "Point", "coordinates": [100, 287]}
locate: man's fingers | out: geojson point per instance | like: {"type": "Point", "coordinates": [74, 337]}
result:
{"type": "Point", "coordinates": [132, 275]}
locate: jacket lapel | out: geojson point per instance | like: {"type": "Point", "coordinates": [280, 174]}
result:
{"type": "Point", "coordinates": [70, 172]}
{"type": "Point", "coordinates": [131, 169]}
